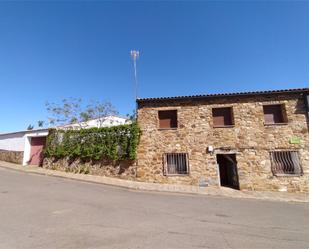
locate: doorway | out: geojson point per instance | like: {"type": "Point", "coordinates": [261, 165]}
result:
{"type": "Point", "coordinates": [228, 170]}
{"type": "Point", "coordinates": [36, 154]}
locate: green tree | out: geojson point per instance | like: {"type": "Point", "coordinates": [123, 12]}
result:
{"type": "Point", "coordinates": [30, 127]}
{"type": "Point", "coordinates": [132, 116]}
{"type": "Point", "coordinates": [74, 111]}
{"type": "Point", "coordinates": [40, 123]}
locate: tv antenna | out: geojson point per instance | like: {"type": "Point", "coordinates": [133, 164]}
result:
{"type": "Point", "coordinates": [134, 56]}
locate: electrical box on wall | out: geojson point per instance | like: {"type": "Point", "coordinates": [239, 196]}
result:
{"type": "Point", "coordinates": [210, 148]}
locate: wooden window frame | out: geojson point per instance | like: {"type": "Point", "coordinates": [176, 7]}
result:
{"type": "Point", "coordinates": [166, 167]}
{"type": "Point", "coordinates": [231, 115]}
{"type": "Point", "coordinates": [167, 128]}
{"type": "Point", "coordinates": [283, 113]}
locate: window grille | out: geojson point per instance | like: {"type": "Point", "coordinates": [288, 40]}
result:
{"type": "Point", "coordinates": [176, 164]}
{"type": "Point", "coordinates": [285, 162]}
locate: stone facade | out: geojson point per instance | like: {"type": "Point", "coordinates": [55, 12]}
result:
{"type": "Point", "coordinates": [11, 156]}
{"type": "Point", "coordinates": [119, 169]}
{"type": "Point", "coordinates": [249, 138]}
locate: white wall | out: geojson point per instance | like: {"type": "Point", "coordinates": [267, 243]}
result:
{"type": "Point", "coordinates": [12, 141]}
{"type": "Point", "coordinates": [106, 122]}
{"type": "Point", "coordinates": [100, 122]}
{"type": "Point", "coordinates": [20, 141]}
{"type": "Point", "coordinates": [27, 143]}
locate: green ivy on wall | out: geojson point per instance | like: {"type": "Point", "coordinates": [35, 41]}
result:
{"type": "Point", "coordinates": [114, 143]}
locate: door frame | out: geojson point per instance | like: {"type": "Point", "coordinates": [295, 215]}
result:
{"type": "Point", "coordinates": [218, 166]}
{"type": "Point", "coordinates": [27, 148]}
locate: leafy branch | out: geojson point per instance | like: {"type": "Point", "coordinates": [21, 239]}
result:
{"type": "Point", "coordinates": [113, 143]}
{"type": "Point", "coordinates": [73, 111]}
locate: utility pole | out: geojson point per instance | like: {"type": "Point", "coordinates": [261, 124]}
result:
{"type": "Point", "coordinates": [134, 56]}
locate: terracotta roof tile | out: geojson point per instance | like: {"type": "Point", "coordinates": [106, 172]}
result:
{"type": "Point", "coordinates": [218, 95]}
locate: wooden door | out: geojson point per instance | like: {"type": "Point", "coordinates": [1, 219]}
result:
{"type": "Point", "coordinates": [37, 146]}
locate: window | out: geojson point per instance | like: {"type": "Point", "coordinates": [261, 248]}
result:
{"type": "Point", "coordinates": [285, 163]}
{"type": "Point", "coordinates": [222, 117]}
{"type": "Point", "coordinates": [176, 164]}
{"type": "Point", "coordinates": [274, 114]}
{"type": "Point", "coordinates": [167, 119]}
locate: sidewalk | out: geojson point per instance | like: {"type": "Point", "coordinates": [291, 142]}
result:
{"type": "Point", "coordinates": [185, 189]}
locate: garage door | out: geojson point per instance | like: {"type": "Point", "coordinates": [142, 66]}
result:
{"type": "Point", "coordinates": [37, 146]}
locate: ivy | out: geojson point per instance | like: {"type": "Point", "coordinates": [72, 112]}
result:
{"type": "Point", "coordinates": [113, 143]}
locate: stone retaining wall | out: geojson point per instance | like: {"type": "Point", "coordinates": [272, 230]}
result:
{"type": "Point", "coordinates": [249, 139]}
{"type": "Point", "coordinates": [119, 169]}
{"type": "Point", "coordinates": [11, 156]}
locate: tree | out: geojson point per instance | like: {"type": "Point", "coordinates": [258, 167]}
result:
{"type": "Point", "coordinates": [73, 111]}
{"type": "Point", "coordinates": [40, 123]}
{"type": "Point", "coordinates": [30, 127]}
{"type": "Point", "coordinates": [98, 110]}
{"type": "Point", "coordinates": [132, 116]}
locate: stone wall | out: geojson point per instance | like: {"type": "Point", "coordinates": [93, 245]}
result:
{"type": "Point", "coordinates": [11, 156]}
{"type": "Point", "coordinates": [249, 138]}
{"type": "Point", "coordinates": [119, 169]}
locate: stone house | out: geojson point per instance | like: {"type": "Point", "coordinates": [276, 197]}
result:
{"type": "Point", "coordinates": [248, 141]}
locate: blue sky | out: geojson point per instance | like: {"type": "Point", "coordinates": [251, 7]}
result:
{"type": "Point", "coordinates": [55, 50]}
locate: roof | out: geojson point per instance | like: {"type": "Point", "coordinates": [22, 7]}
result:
{"type": "Point", "coordinates": [60, 126]}
{"type": "Point", "coordinates": [109, 117]}
{"type": "Point", "coordinates": [219, 95]}
{"type": "Point", "coordinates": [24, 131]}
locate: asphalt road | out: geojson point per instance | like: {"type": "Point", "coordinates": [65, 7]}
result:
{"type": "Point", "coordinates": [47, 212]}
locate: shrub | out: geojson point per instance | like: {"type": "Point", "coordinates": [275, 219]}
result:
{"type": "Point", "coordinates": [113, 143]}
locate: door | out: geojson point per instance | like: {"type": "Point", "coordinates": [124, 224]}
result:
{"type": "Point", "coordinates": [36, 154]}
{"type": "Point", "coordinates": [228, 170]}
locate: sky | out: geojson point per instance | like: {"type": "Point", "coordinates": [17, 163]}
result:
{"type": "Point", "coordinates": [51, 50]}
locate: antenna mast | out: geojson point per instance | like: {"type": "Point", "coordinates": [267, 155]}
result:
{"type": "Point", "coordinates": [134, 56]}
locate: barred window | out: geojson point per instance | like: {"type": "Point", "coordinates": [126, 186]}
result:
{"type": "Point", "coordinates": [176, 164]}
{"type": "Point", "coordinates": [285, 162]}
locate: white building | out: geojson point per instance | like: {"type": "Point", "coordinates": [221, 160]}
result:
{"type": "Point", "coordinates": [98, 122]}
{"type": "Point", "coordinates": [26, 147]}
{"type": "Point", "coordinates": [23, 147]}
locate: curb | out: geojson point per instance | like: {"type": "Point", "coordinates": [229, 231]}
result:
{"type": "Point", "coordinates": [156, 187]}
{"type": "Point", "coordinates": [128, 184]}
{"type": "Point", "coordinates": [121, 183]}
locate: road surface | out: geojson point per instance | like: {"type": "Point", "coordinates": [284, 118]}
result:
{"type": "Point", "coordinates": [47, 212]}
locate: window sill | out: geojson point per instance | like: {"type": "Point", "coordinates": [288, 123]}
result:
{"type": "Point", "coordinates": [167, 129]}
{"type": "Point", "coordinates": [288, 175]}
{"type": "Point", "coordinates": [178, 174]}
{"type": "Point", "coordinates": [223, 126]}
{"type": "Point", "coordinates": [274, 124]}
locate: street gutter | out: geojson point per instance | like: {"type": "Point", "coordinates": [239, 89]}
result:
{"type": "Point", "coordinates": [171, 188]}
